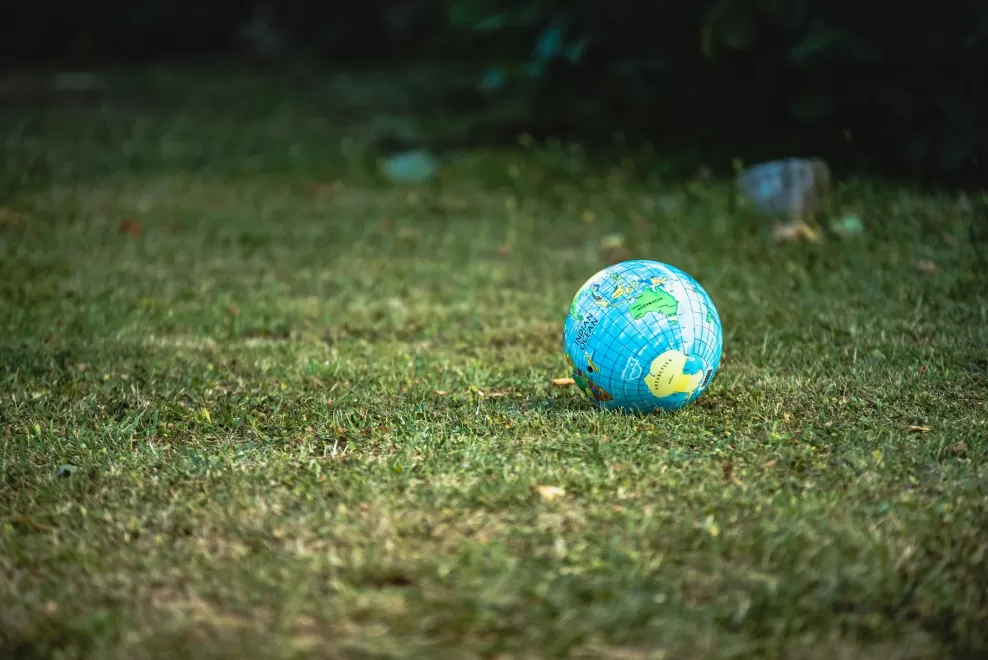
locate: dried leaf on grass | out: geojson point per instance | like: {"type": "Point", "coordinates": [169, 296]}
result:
{"type": "Point", "coordinates": [550, 493]}
{"type": "Point", "coordinates": [612, 248]}
{"type": "Point", "coordinates": [612, 242]}
{"type": "Point", "coordinates": [9, 218]}
{"type": "Point", "coordinates": [324, 191]}
{"type": "Point", "coordinates": [131, 227]}
{"type": "Point", "coordinates": [789, 232]}
{"type": "Point", "coordinates": [492, 394]}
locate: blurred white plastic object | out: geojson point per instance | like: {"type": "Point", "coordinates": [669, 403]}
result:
{"type": "Point", "coordinates": [791, 188]}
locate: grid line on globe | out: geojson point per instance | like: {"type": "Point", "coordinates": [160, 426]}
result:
{"type": "Point", "coordinates": [642, 336]}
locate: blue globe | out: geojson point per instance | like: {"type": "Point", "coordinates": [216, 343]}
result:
{"type": "Point", "coordinates": [643, 336]}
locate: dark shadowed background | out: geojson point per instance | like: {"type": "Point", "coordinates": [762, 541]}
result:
{"type": "Point", "coordinates": [888, 87]}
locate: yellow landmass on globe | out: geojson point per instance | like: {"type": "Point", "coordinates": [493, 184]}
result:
{"type": "Point", "coordinates": [665, 376]}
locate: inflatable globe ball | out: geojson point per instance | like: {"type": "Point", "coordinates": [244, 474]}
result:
{"type": "Point", "coordinates": [643, 336]}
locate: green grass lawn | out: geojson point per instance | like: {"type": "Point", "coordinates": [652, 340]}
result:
{"type": "Point", "coordinates": [302, 414]}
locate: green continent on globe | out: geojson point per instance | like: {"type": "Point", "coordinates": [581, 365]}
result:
{"type": "Point", "coordinates": [659, 301]}
{"type": "Point", "coordinates": [581, 381]}
{"type": "Point", "coordinates": [572, 310]}
{"type": "Point", "coordinates": [710, 315]}
{"type": "Point", "coordinates": [591, 389]}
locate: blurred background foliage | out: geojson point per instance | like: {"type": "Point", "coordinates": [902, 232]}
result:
{"type": "Point", "coordinates": [889, 86]}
